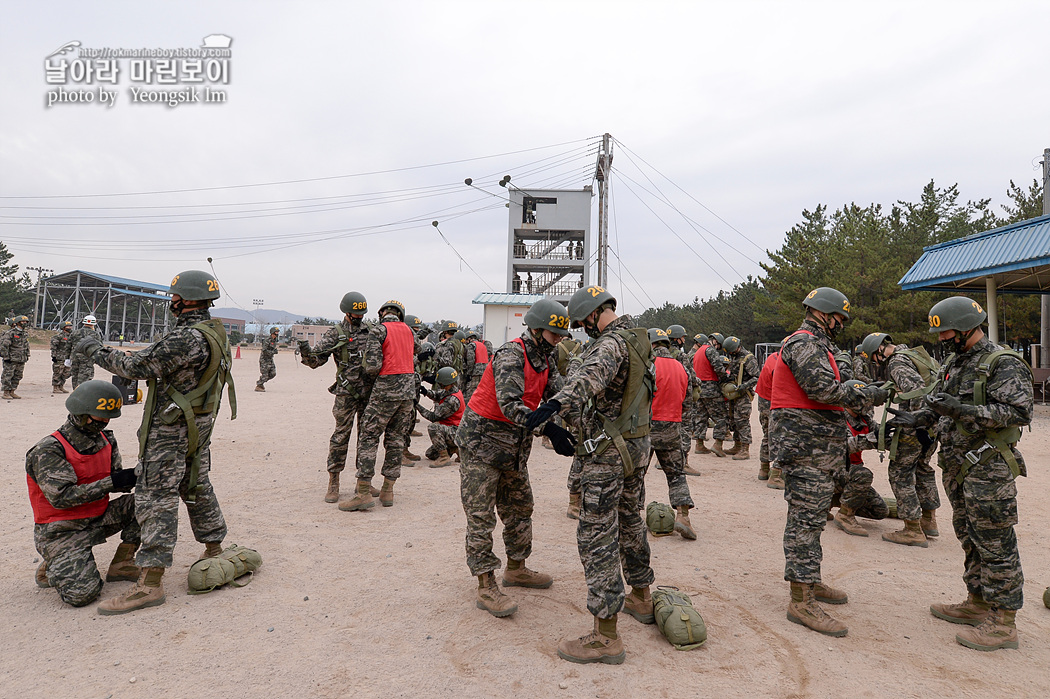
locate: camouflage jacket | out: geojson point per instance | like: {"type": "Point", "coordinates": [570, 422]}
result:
{"type": "Point", "coordinates": [902, 372]}
{"type": "Point", "coordinates": [445, 404]}
{"type": "Point", "coordinates": [686, 360]}
{"type": "Point", "coordinates": [269, 346]}
{"type": "Point", "coordinates": [390, 386]}
{"type": "Point", "coordinates": [350, 378]}
{"type": "Point", "coordinates": [710, 389]}
{"type": "Point", "coordinates": [860, 369]}
{"type": "Point", "coordinates": [14, 345]}
{"type": "Point", "coordinates": [46, 464]}
{"type": "Point", "coordinates": [450, 353]}
{"type": "Point", "coordinates": [751, 370]}
{"type": "Point", "coordinates": [78, 335]}
{"type": "Point", "coordinates": [61, 347]}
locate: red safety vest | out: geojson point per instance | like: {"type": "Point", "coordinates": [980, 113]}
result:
{"type": "Point", "coordinates": [481, 353]}
{"type": "Point", "coordinates": [701, 366]}
{"type": "Point", "coordinates": [764, 389]}
{"type": "Point", "coordinates": [857, 457]}
{"type": "Point", "coordinates": [786, 393]}
{"type": "Point", "coordinates": [672, 383]}
{"type": "Point", "coordinates": [89, 468]}
{"type": "Point", "coordinates": [398, 350]}
{"type": "Point", "coordinates": [455, 417]}
{"type": "Point", "coordinates": [484, 403]}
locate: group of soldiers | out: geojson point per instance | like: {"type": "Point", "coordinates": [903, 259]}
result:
{"type": "Point", "coordinates": [65, 363]}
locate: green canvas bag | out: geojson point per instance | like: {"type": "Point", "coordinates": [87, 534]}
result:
{"type": "Point", "coordinates": [677, 619]}
{"type": "Point", "coordinates": [659, 518]}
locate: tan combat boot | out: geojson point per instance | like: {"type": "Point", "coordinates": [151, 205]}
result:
{"type": "Point", "coordinates": [928, 523]}
{"type": "Point", "coordinates": [517, 575]}
{"type": "Point", "coordinates": [689, 470]}
{"type": "Point", "coordinates": [409, 455]}
{"type": "Point", "coordinates": [386, 493]}
{"type": "Point", "coordinates": [492, 599]}
{"type": "Point", "coordinates": [743, 453]}
{"type": "Point", "coordinates": [56, 389]}
{"type": "Point", "coordinates": [682, 525]}
{"type": "Point", "coordinates": [261, 389]}
{"type": "Point", "coordinates": [701, 448]}
{"type": "Point", "coordinates": [441, 459]}
{"type": "Point", "coordinates": [996, 632]}
{"type": "Point", "coordinates": [716, 448]}
{"type": "Point", "coordinates": [973, 611]}
{"type": "Point", "coordinates": [147, 592]}
{"type": "Point", "coordinates": [911, 535]}
{"type": "Point", "coordinates": [847, 522]}
{"type": "Point", "coordinates": [416, 433]}
{"type": "Point", "coordinates": [62, 389]}
{"type": "Point", "coordinates": [804, 610]}
{"type": "Point", "coordinates": [211, 550]}
{"type": "Point", "coordinates": [639, 604]}
{"type": "Point", "coordinates": [333, 488]}
{"type": "Point", "coordinates": [405, 461]}
{"type": "Point", "coordinates": [8, 395]}
{"type": "Point", "coordinates": [573, 511]}
{"type": "Point", "coordinates": [546, 442]}
{"type": "Point", "coordinates": [41, 575]}
{"type": "Point", "coordinates": [776, 478]}
{"type": "Point", "coordinates": [603, 645]}
{"type": "Point", "coordinates": [362, 500]}
{"type": "Point", "coordinates": [123, 567]}
{"type": "Point", "coordinates": [828, 594]}
{"type": "Point", "coordinates": [763, 470]}
{"type": "Point", "coordinates": [733, 449]}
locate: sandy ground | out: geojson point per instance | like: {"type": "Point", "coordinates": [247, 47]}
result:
{"type": "Point", "coordinates": [381, 603]}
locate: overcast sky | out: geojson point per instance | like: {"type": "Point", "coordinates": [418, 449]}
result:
{"type": "Point", "coordinates": [750, 112]}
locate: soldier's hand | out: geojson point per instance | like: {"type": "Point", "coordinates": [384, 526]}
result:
{"type": "Point", "coordinates": [541, 414]}
{"type": "Point", "coordinates": [561, 439]}
{"type": "Point", "coordinates": [877, 395]}
{"type": "Point", "coordinates": [424, 391]}
{"type": "Point", "coordinates": [123, 480]}
{"type": "Point", "coordinates": [54, 359]}
{"type": "Point", "coordinates": [425, 354]}
{"type": "Point", "coordinates": [429, 378]}
{"type": "Point", "coordinates": [88, 346]}
{"type": "Point", "coordinates": [304, 347]}
{"type": "Point", "coordinates": [950, 406]}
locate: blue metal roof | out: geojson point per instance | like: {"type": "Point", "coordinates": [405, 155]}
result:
{"type": "Point", "coordinates": [492, 298]}
{"type": "Point", "coordinates": [1016, 255]}
{"type": "Point", "coordinates": [131, 283]}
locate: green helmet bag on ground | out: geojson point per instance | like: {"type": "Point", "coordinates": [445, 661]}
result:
{"type": "Point", "coordinates": [659, 518]}
{"type": "Point", "coordinates": [677, 618]}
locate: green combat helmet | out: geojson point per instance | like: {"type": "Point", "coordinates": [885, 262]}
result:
{"type": "Point", "coordinates": [657, 335]}
{"type": "Point", "coordinates": [275, 331]}
{"type": "Point", "coordinates": [20, 320]}
{"type": "Point", "coordinates": [195, 285]}
{"type": "Point", "coordinates": [397, 306]}
{"type": "Point", "coordinates": [449, 326]}
{"type": "Point", "coordinates": [585, 301]}
{"type": "Point", "coordinates": [548, 314]}
{"type": "Point", "coordinates": [96, 398]}
{"type": "Point", "coordinates": [354, 303]}
{"type": "Point", "coordinates": [717, 337]}
{"type": "Point", "coordinates": [731, 344]}
{"type": "Point", "coordinates": [859, 351]}
{"type": "Point", "coordinates": [700, 339]}
{"type": "Point", "coordinates": [827, 300]}
{"type": "Point", "coordinates": [871, 344]}
{"type": "Point", "coordinates": [414, 322]}
{"type": "Point", "coordinates": [676, 332]}
{"type": "Point", "coordinates": [957, 313]}
{"type": "Point", "coordinates": [447, 376]}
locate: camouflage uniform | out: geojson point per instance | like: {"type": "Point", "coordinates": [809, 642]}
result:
{"type": "Point", "coordinates": [697, 417]}
{"type": "Point", "coordinates": [61, 348]}
{"type": "Point", "coordinates": [352, 384]}
{"type": "Point", "coordinates": [477, 369]}
{"type": "Point", "coordinates": [494, 455]}
{"type": "Point", "coordinates": [442, 437]}
{"type": "Point", "coordinates": [665, 440]}
{"type": "Point", "coordinates": [82, 368]}
{"type": "Point", "coordinates": [984, 505]}
{"type": "Point", "coordinates": [611, 530]}
{"type": "Point", "coordinates": [267, 368]}
{"type": "Point", "coordinates": [912, 479]}
{"type": "Point", "coordinates": [389, 412]}
{"type": "Point", "coordinates": [853, 485]}
{"type": "Point", "coordinates": [860, 369]}
{"type": "Point", "coordinates": [450, 353]}
{"type": "Point", "coordinates": [739, 409]}
{"type": "Point", "coordinates": [66, 545]}
{"type": "Point", "coordinates": [178, 359]}
{"type": "Point", "coordinates": [14, 349]}
{"type": "Point", "coordinates": [689, 407]}
{"type": "Point", "coordinates": [712, 404]}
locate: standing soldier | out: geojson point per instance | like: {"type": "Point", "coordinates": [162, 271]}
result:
{"type": "Point", "coordinates": [477, 356]}
{"type": "Point", "coordinates": [346, 342]}
{"type": "Point", "coordinates": [738, 392]}
{"type": "Point", "coordinates": [70, 474]}
{"type": "Point", "coordinates": [613, 389]}
{"type": "Point", "coordinates": [494, 451]}
{"type": "Point", "coordinates": [445, 417]}
{"type": "Point", "coordinates": [763, 389]}
{"type": "Point", "coordinates": [449, 350]}
{"type": "Point", "coordinates": [710, 371]}
{"type": "Point", "coordinates": [808, 437]}
{"type": "Point", "coordinates": [14, 349]}
{"type": "Point", "coordinates": [390, 352]}
{"type": "Point", "coordinates": [60, 362]}
{"type": "Point", "coordinates": [187, 370]}
{"type": "Point", "coordinates": [676, 334]}
{"type": "Point", "coordinates": [861, 370]}
{"type": "Point", "coordinates": [267, 368]}
{"type": "Point", "coordinates": [81, 367]}
{"type": "Point", "coordinates": [985, 399]}
{"type": "Point", "coordinates": [699, 418]}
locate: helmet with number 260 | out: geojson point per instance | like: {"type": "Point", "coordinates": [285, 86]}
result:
{"type": "Point", "coordinates": [957, 313]}
{"type": "Point", "coordinates": [354, 303]}
{"type": "Point", "coordinates": [96, 398]}
{"type": "Point", "coordinates": [195, 285]}
{"type": "Point", "coordinates": [585, 300]}
{"type": "Point", "coordinates": [548, 314]}
{"type": "Point", "coordinates": [827, 300]}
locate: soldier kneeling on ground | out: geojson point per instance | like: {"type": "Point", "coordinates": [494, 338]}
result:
{"type": "Point", "coordinates": [70, 474]}
{"type": "Point", "coordinates": [445, 417]}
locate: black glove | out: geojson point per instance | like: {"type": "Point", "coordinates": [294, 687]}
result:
{"type": "Point", "coordinates": [541, 414]}
{"type": "Point", "coordinates": [950, 406]}
{"type": "Point", "coordinates": [924, 438]}
{"type": "Point", "coordinates": [424, 391]}
{"type": "Point", "coordinates": [876, 394]}
{"type": "Point", "coordinates": [429, 378]}
{"type": "Point", "coordinates": [561, 439]}
{"type": "Point", "coordinates": [425, 354]}
{"type": "Point", "coordinates": [88, 346]}
{"type": "Point", "coordinates": [304, 347]}
{"type": "Point", "coordinates": [55, 360]}
{"type": "Point", "coordinates": [123, 480]}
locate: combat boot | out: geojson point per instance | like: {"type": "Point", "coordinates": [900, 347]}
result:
{"type": "Point", "coordinates": [9, 395]}
{"type": "Point", "coordinates": [911, 535]}
{"type": "Point", "coordinates": [440, 459]}
{"type": "Point", "coordinates": [416, 433]}
{"type": "Point", "coordinates": [733, 449]}
{"type": "Point", "coordinates": [386, 493]}
{"type": "Point", "coordinates": [804, 610]}
{"type": "Point", "coordinates": [405, 461]}
{"type": "Point", "coordinates": [211, 550]}
{"type": "Point", "coordinates": [828, 594]}
{"type": "Point", "coordinates": [716, 448]}
{"type": "Point", "coordinates": [123, 567]}
{"type": "Point", "coordinates": [573, 511]}
{"type": "Point", "coordinates": [492, 599]}
{"type": "Point", "coordinates": [973, 611]}
{"type": "Point", "coordinates": [682, 525]}
{"type": "Point", "coordinates": [56, 389]}
{"type": "Point", "coordinates": [333, 488]}
{"type": "Point", "coordinates": [41, 575]}
{"type": "Point", "coordinates": [362, 500]}
{"type": "Point", "coordinates": [147, 592]}
{"type": "Point", "coordinates": [928, 523]}
{"type": "Point", "coordinates": [517, 575]}
{"type": "Point", "coordinates": [639, 604]}
{"type": "Point", "coordinates": [603, 645]}
{"type": "Point", "coordinates": [546, 442]}
{"type": "Point", "coordinates": [689, 470]}
{"type": "Point", "coordinates": [996, 632]}
{"type": "Point", "coordinates": [743, 452]}
{"type": "Point", "coordinates": [763, 470]}
{"type": "Point", "coordinates": [776, 478]}
{"type": "Point", "coordinates": [261, 389]}
{"type": "Point", "coordinates": [701, 448]}
{"type": "Point", "coordinates": [847, 522]}
{"type": "Point", "coordinates": [410, 456]}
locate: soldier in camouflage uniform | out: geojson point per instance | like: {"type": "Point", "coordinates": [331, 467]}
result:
{"type": "Point", "coordinates": [267, 368]}
{"type": "Point", "coordinates": [449, 406]}
{"type": "Point", "coordinates": [60, 362]}
{"type": "Point", "coordinates": [763, 390]}
{"type": "Point", "coordinates": [861, 370]}
{"type": "Point", "coordinates": [676, 335]}
{"type": "Point", "coordinates": [710, 369]}
{"type": "Point", "coordinates": [743, 377]}
{"type": "Point", "coordinates": [390, 352]}
{"type": "Point", "coordinates": [344, 342]}
{"type": "Point", "coordinates": [980, 462]}
{"type": "Point", "coordinates": [14, 350]}
{"type": "Point", "coordinates": [808, 440]}
{"type": "Point", "coordinates": [81, 367]}
{"type": "Point", "coordinates": [615, 402]}
{"type": "Point", "coordinates": [187, 370]}
{"type": "Point", "coordinates": [70, 475]}
{"type": "Point", "coordinates": [449, 350]}
{"type": "Point", "coordinates": [495, 447]}
{"type": "Point", "coordinates": [854, 493]}
{"type": "Point", "coordinates": [476, 358]}
{"type": "Point", "coordinates": [698, 418]}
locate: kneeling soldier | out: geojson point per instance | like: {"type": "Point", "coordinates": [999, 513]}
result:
{"type": "Point", "coordinates": [445, 417]}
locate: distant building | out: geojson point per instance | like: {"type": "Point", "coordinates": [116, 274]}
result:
{"type": "Point", "coordinates": [310, 333]}
{"type": "Point", "coordinates": [232, 324]}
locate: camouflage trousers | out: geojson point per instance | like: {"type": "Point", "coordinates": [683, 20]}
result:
{"type": "Point", "coordinates": [611, 534]}
{"type": "Point", "coordinates": [984, 512]}
{"type": "Point", "coordinates": [665, 441]}
{"type": "Point", "coordinates": [59, 373]}
{"type": "Point", "coordinates": [390, 419]}
{"type": "Point", "coordinates": [574, 474]}
{"type": "Point", "coordinates": [267, 369]}
{"type": "Point", "coordinates": [739, 412]}
{"type": "Point", "coordinates": [487, 491]}
{"type": "Point", "coordinates": [442, 438]}
{"type": "Point", "coordinates": [66, 546]}
{"type": "Point", "coordinates": [809, 488]}
{"type": "Point", "coordinates": [82, 370]}
{"type": "Point", "coordinates": [853, 488]}
{"type": "Point", "coordinates": [715, 407]}
{"type": "Point", "coordinates": [688, 419]}
{"type": "Point", "coordinates": [163, 478]}
{"type": "Point", "coordinates": [471, 386]}
{"type": "Point", "coordinates": [763, 420]}
{"type": "Point", "coordinates": [11, 375]}
{"type": "Point", "coordinates": [912, 479]}
{"type": "Point", "coordinates": [700, 419]}
{"type": "Point", "coordinates": [345, 410]}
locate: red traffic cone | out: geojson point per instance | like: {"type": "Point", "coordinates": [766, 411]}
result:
{"type": "Point", "coordinates": [238, 352]}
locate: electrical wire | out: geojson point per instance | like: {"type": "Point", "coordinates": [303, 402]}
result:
{"type": "Point", "coordinates": [461, 258]}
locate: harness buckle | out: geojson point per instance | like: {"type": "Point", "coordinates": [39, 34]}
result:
{"type": "Point", "coordinates": [974, 455]}
{"type": "Point", "coordinates": [591, 445]}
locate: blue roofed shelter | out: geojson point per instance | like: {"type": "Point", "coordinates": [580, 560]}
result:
{"type": "Point", "coordinates": [121, 306]}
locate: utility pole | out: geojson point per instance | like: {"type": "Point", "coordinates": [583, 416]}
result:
{"type": "Point", "coordinates": [255, 321]}
{"type": "Point", "coordinates": [1044, 316]}
{"type": "Point", "coordinates": [36, 300]}
{"type": "Point", "coordinates": [601, 174]}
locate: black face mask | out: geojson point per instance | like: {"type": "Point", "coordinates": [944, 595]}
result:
{"type": "Point", "coordinates": [591, 330]}
{"type": "Point", "coordinates": [954, 344]}
{"type": "Point", "coordinates": [88, 426]}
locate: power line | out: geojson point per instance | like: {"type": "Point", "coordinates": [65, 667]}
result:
{"type": "Point", "coordinates": [461, 258]}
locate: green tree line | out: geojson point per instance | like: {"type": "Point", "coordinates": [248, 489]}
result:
{"type": "Point", "coordinates": [16, 290]}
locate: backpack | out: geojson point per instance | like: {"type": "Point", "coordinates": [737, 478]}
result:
{"type": "Point", "coordinates": [659, 518]}
{"type": "Point", "coordinates": [677, 618]}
